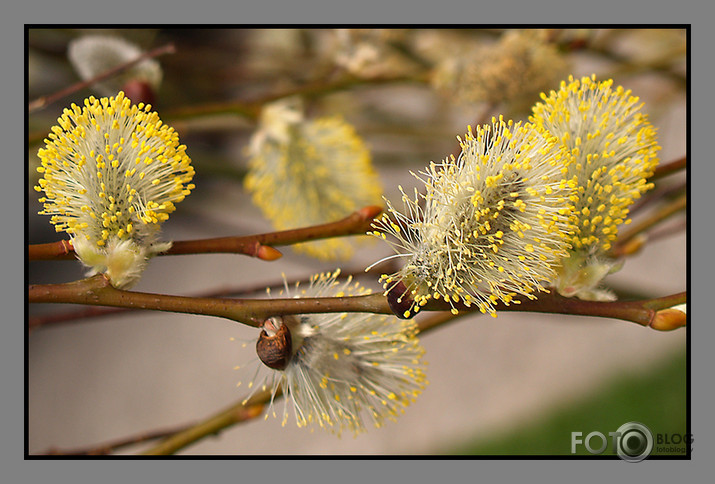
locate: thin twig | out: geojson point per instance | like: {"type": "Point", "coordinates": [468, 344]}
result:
{"type": "Point", "coordinates": [45, 101]}
{"type": "Point", "coordinates": [252, 109]}
{"type": "Point", "coordinates": [661, 64]}
{"type": "Point", "coordinates": [109, 447]}
{"type": "Point", "coordinates": [356, 223]}
{"type": "Point", "coordinates": [259, 246]}
{"type": "Point", "coordinates": [622, 246]}
{"type": "Point", "coordinates": [660, 193]}
{"type": "Point", "coordinates": [240, 412]}
{"type": "Point", "coordinates": [662, 171]}
{"type": "Point", "coordinates": [432, 321]}
{"type": "Point", "coordinates": [78, 315]}
{"type": "Point", "coordinates": [679, 227]}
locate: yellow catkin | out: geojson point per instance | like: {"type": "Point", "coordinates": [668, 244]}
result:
{"type": "Point", "coordinates": [92, 192]}
{"type": "Point", "coordinates": [493, 221]}
{"type": "Point", "coordinates": [346, 371]}
{"type": "Point", "coordinates": [613, 150]}
{"type": "Point", "coordinates": [310, 172]}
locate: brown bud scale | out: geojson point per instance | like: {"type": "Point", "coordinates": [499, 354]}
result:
{"type": "Point", "coordinates": [275, 351]}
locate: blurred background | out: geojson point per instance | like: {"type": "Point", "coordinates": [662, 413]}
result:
{"type": "Point", "coordinates": [517, 385]}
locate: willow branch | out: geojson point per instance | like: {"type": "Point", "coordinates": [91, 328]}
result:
{"type": "Point", "coordinates": [259, 246]}
{"type": "Point", "coordinates": [181, 436]}
{"type": "Point", "coordinates": [436, 320]}
{"type": "Point", "coordinates": [96, 290]}
{"type": "Point", "coordinates": [60, 250]}
{"type": "Point", "coordinates": [661, 193]}
{"type": "Point", "coordinates": [662, 171]}
{"type": "Point", "coordinates": [247, 409]}
{"type": "Point", "coordinates": [240, 412]}
{"type": "Point", "coordinates": [83, 313]}
{"type": "Point", "coordinates": [643, 312]}
{"type": "Point", "coordinates": [679, 227]}
{"type": "Point", "coordinates": [252, 109]}
{"type": "Point", "coordinates": [88, 312]}
{"type": "Point", "coordinates": [44, 101]}
{"type": "Point", "coordinates": [109, 447]}
{"type": "Point", "coordinates": [356, 223]}
{"type": "Point", "coordinates": [632, 240]}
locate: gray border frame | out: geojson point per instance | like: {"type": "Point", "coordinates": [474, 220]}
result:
{"type": "Point", "coordinates": [267, 11]}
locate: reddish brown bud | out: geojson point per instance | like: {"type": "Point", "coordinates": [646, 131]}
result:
{"type": "Point", "coordinates": [139, 92]}
{"type": "Point", "coordinates": [370, 212]}
{"type": "Point", "coordinates": [400, 301]}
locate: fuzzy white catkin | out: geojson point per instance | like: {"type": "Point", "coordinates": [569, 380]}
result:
{"type": "Point", "coordinates": [112, 173]}
{"type": "Point", "coordinates": [490, 224]}
{"type": "Point", "coordinates": [348, 370]}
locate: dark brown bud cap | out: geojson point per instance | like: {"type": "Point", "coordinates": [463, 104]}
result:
{"type": "Point", "coordinates": [400, 301]}
{"type": "Point", "coordinates": [275, 351]}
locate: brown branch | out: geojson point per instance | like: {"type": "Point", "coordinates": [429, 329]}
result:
{"type": "Point", "coordinates": [259, 246]}
{"type": "Point", "coordinates": [83, 313]}
{"type": "Point", "coordinates": [662, 171]}
{"type": "Point", "coordinates": [109, 447]}
{"type": "Point", "coordinates": [96, 290]}
{"type": "Point", "coordinates": [631, 240]}
{"type": "Point", "coordinates": [240, 412]}
{"type": "Point", "coordinates": [178, 437]}
{"type": "Point", "coordinates": [44, 101]}
{"type": "Point", "coordinates": [248, 409]}
{"type": "Point", "coordinates": [356, 223]}
{"type": "Point", "coordinates": [641, 312]}
{"type": "Point", "coordinates": [252, 109]}
{"type": "Point", "coordinates": [649, 312]}
{"type": "Point", "coordinates": [679, 227]}
{"type": "Point", "coordinates": [60, 250]}
{"type": "Point", "coordinates": [436, 320]}
{"type": "Point", "coordinates": [662, 319]}
{"type": "Point", "coordinates": [661, 193]}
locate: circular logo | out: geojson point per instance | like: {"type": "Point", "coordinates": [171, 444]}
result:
{"type": "Point", "coordinates": [634, 442]}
